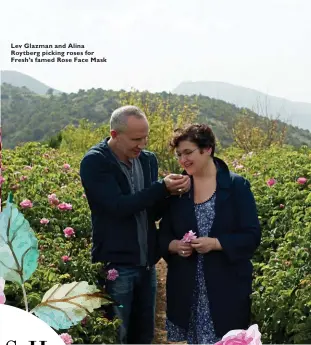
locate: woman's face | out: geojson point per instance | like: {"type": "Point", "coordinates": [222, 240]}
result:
{"type": "Point", "coordinates": [191, 158]}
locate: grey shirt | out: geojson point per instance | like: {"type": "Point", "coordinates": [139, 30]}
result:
{"type": "Point", "coordinates": [135, 176]}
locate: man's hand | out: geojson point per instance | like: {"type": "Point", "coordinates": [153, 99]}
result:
{"type": "Point", "coordinates": [204, 245]}
{"type": "Point", "coordinates": [180, 248]}
{"type": "Point", "coordinates": [177, 184]}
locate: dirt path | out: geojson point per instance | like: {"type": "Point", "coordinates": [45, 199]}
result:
{"type": "Point", "coordinates": [160, 333]}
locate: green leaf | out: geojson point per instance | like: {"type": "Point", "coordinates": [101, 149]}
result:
{"type": "Point", "coordinates": [65, 305]}
{"type": "Point", "coordinates": [18, 245]}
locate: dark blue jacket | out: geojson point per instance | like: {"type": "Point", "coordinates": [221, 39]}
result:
{"type": "Point", "coordinates": [114, 228]}
{"type": "Point", "coordinates": [228, 273]}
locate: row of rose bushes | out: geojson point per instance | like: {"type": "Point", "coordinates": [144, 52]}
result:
{"type": "Point", "coordinates": [47, 188]}
{"type": "Point", "coordinates": [281, 181]}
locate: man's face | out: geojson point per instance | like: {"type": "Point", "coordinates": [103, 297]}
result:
{"type": "Point", "coordinates": [133, 139]}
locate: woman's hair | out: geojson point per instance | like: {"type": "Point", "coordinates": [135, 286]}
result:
{"type": "Point", "coordinates": [199, 134]}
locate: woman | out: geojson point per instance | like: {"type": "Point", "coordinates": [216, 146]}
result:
{"type": "Point", "coordinates": [209, 279]}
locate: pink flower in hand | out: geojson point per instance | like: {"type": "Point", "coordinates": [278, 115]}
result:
{"type": "Point", "coordinates": [112, 274]}
{"type": "Point", "coordinates": [302, 180]}
{"type": "Point", "coordinates": [241, 337]}
{"type": "Point", "coordinates": [69, 232]}
{"type": "Point", "coordinates": [2, 296]}
{"type": "Point", "coordinates": [66, 258]}
{"type": "Point", "coordinates": [271, 182]}
{"type": "Point", "coordinates": [44, 221]}
{"type": "Point", "coordinates": [66, 338]}
{"type": "Point", "coordinates": [189, 236]}
{"type": "Point", "coordinates": [26, 203]}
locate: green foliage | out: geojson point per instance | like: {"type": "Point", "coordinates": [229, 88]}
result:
{"type": "Point", "coordinates": [31, 117]}
{"type": "Point", "coordinates": [251, 133]}
{"type": "Point", "coordinates": [80, 138]}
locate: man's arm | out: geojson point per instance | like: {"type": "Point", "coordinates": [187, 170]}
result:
{"type": "Point", "coordinates": [104, 193]}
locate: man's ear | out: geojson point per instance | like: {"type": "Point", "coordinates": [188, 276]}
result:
{"type": "Point", "coordinates": [113, 134]}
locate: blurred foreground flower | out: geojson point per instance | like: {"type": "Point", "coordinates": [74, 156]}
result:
{"type": "Point", "coordinates": [252, 336]}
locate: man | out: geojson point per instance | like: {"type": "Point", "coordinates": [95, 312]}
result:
{"type": "Point", "coordinates": [121, 184]}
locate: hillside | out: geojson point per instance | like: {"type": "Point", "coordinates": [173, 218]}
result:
{"type": "Point", "coordinates": [27, 116]}
{"type": "Point", "coordinates": [295, 113]}
{"type": "Point", "coordinates": [19, 80]}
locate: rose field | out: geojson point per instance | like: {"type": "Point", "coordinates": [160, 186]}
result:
{"type": "Point", "coordinates": [47, 190]}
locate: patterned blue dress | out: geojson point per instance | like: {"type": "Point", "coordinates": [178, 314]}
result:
{"type": "Point", "coordinates": [201, 328]}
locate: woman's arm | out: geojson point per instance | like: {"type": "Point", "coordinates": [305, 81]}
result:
{"type": "Point", "coordinates": [168, 243]}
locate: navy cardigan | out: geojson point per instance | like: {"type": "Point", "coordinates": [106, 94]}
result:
{"type": "Point", "coordinates": [113, 207]}
{"type": "Point", "coordinates": [228, 273]}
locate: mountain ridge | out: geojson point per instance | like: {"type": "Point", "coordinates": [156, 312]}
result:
{"type": "Point", "coordinates": [19, 79]}
{"type": "Point", "coordinates": [294, 112]}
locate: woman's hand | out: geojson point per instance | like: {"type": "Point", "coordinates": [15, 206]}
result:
{"type": "Point", "coordinates": [204, 245]}
{"type": "Point", "coordinates": [180, 248]}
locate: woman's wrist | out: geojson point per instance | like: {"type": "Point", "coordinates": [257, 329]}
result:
{"type": "Point", "coordinates": [217, 245]}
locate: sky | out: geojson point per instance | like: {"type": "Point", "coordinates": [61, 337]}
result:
{"type": "Point", "coordinates": [157, 44]}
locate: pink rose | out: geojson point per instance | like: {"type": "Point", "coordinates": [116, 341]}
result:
{"type": "Point", "coordinates": [241, 337]}
{"type": "Point", "coordinates": [112, 274]}
{"type": "Point", "coordinates": [271, 182]}
{"type": "Point", "coordinates": [2, 296]}
{"type": "Point", "coordinates": [282, 206]}
{"type": "Point", "coordinates": [23, 178]}
{"type": "Point", "coordinates": [302, 180]}
{"type": "Point", "coordinates": [189, 236]}
{"type": "Point", "coordinates": [66, 166]}
{"type": "Point", "coordinates": [2, 179]}
{"type": "Point", "coordinates": [66, 338]}
{"type": "Point", "coordinates": [66, 258]}
{"type": "Point", "coordinates": [69, 232]}
{"type": "Point", "coordinates": [53, 199]}
{"type": "Point", "coordinates": [64, 206]}
{"type": "Point", "coordinates": [44, 221]}
{"type": "Point", "coordinates": [26, 203]}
